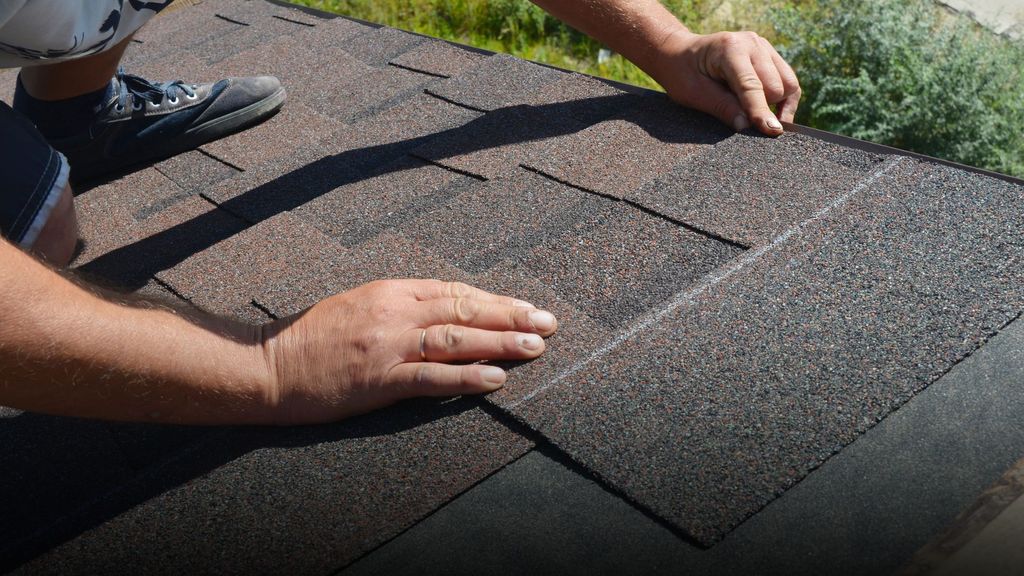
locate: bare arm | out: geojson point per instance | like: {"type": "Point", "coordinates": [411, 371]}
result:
{"type": "Point", "coordinates": [735, 76]}
{"type": "Point", "coordinates": [65, 350]}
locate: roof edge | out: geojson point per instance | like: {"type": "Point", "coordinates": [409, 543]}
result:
{"type": "Point", "coordinates": [816, 133]}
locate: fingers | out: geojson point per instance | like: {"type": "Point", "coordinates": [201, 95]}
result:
{"type": "Point", "coordinates": [487, 315]}
{"type": "Point", "coordinates": [720, 102]}
{"type": "Point", "coordinates": [434, 289]}
{"type": "Point", "coordinates": [453, 343]}
{"type": "Point", "coordinates": [429, 379]}
{"type": "Point", "coordinates": [749, 87]}
{"type": "Point", "coordinates": [787, 105]}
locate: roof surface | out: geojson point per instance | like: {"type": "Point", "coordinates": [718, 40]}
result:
{"type": "Point", "coordinates": [741, 318]}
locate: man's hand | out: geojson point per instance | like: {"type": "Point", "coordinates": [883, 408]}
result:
{"type": "Point", "coordinates": [67, 350]}
{"type": "Point", "coordinates": [390, 340]}
{"type": "Point", "coordinates": [738, 77]}
{"type": "Point", "coordinates": [734, 76]}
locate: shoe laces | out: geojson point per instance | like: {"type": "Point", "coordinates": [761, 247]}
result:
{"type": "Point", "coordinates": [142, 90]}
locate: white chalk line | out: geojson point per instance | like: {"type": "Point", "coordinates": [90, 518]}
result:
{"type": "Point", "coordinates": [688, 296]}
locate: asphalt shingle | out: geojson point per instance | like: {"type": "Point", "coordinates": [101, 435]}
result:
{"type": "Point", "coordinates": [438, 58]}
{"type": "Point", "coordinates": [295, 126]}
{"type": "Point", "coordinates": [494, 144]}
{"type": "Point", "coordinates": [8, 81]}
{"type": "Point", "coordinates": [225, 277]}
{"type": "Point", "coordinates": [141, 224]}
{"type": "Point", "coordinates": [696, 376]}
{"type": "Point", "coordinates": [751, 188]}
{"type": "Point", "coordinates": [405, 189]}
{"type": "Point", "coordinates": [626, 263]}
{"type": "Point", "coordinates": [195, 171]}
{"type": "Point", "coordinates": [577, 337]}
{"type": "Point", "coordinates": [742, 387]}
{"type": "Point", "coordinates": [258, 29]}
{"type": "Point", "coordinates": [500, 218]}
{"type": "Point", "coordinates": [377, 47]}
{"type": "Point", "coordinates": [382, 257]}
{"type": "Point", "coordinates": [355, 153]}
{"type": "Point", "coordinates": [304, 501]}
{"type": "Point", "coordinates": [176, 32]}
{"type": "Point", "coordinates": [51, 466]}
{"type": "Point", "coordinates": [496, 82]}
{"type": "Point", "coordinates": [617, 156]}
{"type": "Point", "coordinates": [583, 98]}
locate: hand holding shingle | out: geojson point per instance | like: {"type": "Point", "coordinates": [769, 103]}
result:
{"type": "Point", "coordinates": [738, 77]}
{"type": "Point", "coordinates": [735, 76]}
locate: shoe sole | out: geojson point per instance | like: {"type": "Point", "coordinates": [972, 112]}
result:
{"type": "Point", "coordinates": [238, 120]}
{"type": "Point", "coordinates": [191, 139]}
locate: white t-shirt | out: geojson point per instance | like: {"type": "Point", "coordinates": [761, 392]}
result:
{"type": "Point", "coordinates": [43, 31]}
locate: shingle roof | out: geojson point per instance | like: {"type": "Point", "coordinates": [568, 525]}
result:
{"type": "Point", "coordinates": [736, 314]}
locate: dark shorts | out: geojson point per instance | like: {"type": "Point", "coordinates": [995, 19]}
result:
{"type": "Point", "coordinates": [33, 177]}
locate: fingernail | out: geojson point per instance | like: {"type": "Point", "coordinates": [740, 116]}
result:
{"type": "Point", "coordinates": [542, 320]}
{"type": "Point", "coordinates": [773, 123]}
{"type": "Point", "coordinates": [522, 304]}
{"type": "Point", "coordinates": [741, 123]}
{"type": "Point", "coordinates": [530, 341]}
{"type": "Point", "coordinates": [493, 375]}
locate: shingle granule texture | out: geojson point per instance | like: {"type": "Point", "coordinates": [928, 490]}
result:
{"type": "Point", "coordinates": [495, 144]}
{"type": "Point", "coordinates": [109, 213]}
{"type": "Point", "coordinates": [166, 35]}
{"type": "Point", "coordinates": [259, 29]}
{"type": "Point", "coordinates": [497, 219]}
{"type": "Point", "coordinates": [304, 501]}
{"type": "Point", "coordinates": [8, 81]}
{"type": "Point", "coordinates": [281, 135]}
{"type": "Point", "coordinates": [51, 466]}
{"type": "Point", "coordinates": [625, 263]}
{"type": "Point", "coordinates": [225, 277]}
{"type": "Point", "coordinates": [743, 387]}
{"type": "Point", "coordinates": [615, 157]}
{"type": "Point", "coordinates": [127, 250]}
{"type": "Point", "coordinates": [403, 191]}
{"type": "Point", "coordinates": [583, 98]}
{"type": "Point", "coordinates": [385, 256]}
{"type": "Point", "coordinates": [733, 309]}
{"type": "Point", "coordinates": [355, 153]}
{"type": "Point", "coordinates": [195, 171]}
{"type": "Point", "coordinates": [751, 188]}
{"type": "Point", "coordinates": [496, 82]}
{"type": "Point", "coordinates": [438, 58]}
{"type": "Point", "coordinates": [577, 337]}
{"type": "Point", "coordinates": [377, 47]}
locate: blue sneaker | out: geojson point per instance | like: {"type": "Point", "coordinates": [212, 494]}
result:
{"type": "Point", "coordinates": [142, 121]}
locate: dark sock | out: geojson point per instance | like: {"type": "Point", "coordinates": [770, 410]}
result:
{"type": "Point", "coordinates": [60, 118]}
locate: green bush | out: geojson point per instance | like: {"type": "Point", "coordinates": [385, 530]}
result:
{"type": "Point", "coordinates": [900, 72]}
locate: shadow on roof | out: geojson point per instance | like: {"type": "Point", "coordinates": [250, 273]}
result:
{"type": "Point", "coordinates": [131, 266]}
{"type": "Point", "coordinates": [65, 476]}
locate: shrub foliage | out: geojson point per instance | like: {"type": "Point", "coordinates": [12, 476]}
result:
{"type": "Point", "coordinates": [900, 72]}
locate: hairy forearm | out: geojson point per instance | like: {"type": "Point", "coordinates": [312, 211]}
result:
{"type": "Point", "coordinates": [637, 29]}
{"type": "Point", "coordinates": [66, 350]}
